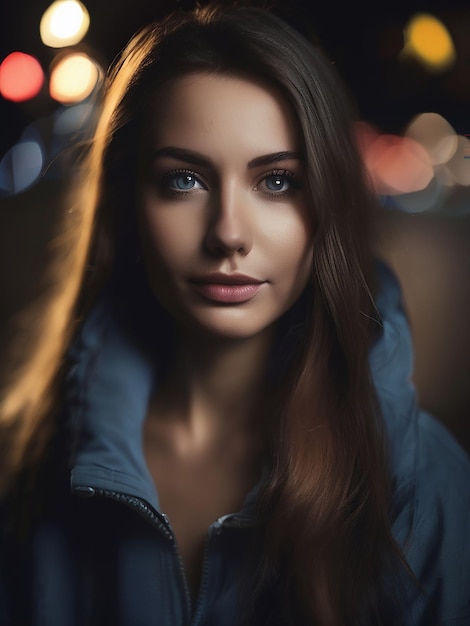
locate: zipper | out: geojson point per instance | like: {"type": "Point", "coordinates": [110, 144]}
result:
{"type": "Point", "coordinates": [182, 573]}
{"type": "Point", "coordinates": [161, 521]}
{"type": "Point", "coordinates": [152, 516]}
{"type": "Point", "coordinates": [235, 520]}
{"type": "Point", "coordinates": [136, 504]}
{"type": "Point", "coordinates": [203, 585]}
{"type": "Point", "coordinates": [231, 520]}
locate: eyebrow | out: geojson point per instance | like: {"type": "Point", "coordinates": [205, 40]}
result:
{"type": "Point", "coordinates": [275, 157]}
{"type": "Point", "coordinates": [191, 156]}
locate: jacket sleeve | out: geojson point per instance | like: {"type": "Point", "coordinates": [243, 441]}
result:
{"type": "Point", "coordinates": [430, 475]}
{"type": "Point", "coordinates": [434, 526]}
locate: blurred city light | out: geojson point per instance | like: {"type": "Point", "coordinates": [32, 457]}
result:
{"type": "Point", "coordinates": [73, 78]}
{"type": "Point", "coordinates": [433, 195]}
{"type": "Point", "coordinates": [425, 169]}
{"type": "Point", "coordinates": [435, 134]}
{"type": "Point", "coordinates": [458, 166]}
{"type": "Point", "coordinates": [398, 164]}
{"type": "Point", "coordinates": [21, 167]}
{"type": "Point", "coordinates": [21, 77]}
{"type": "Point", "coordinates": [73, 119]}
{"type": "Point", "coordinates": [64, 23]}
{"type": "Point", "coordinates": [428, 40]}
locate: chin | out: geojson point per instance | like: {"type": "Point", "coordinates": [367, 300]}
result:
{"type": "Point", "coordinates": [233, 327]}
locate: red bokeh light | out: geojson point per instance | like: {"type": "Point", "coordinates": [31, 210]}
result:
{"type": "Point", "coordinates": [21, 77]}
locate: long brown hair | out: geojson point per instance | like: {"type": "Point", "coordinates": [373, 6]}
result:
{"type": "Point", "coordinates": [325, 511]}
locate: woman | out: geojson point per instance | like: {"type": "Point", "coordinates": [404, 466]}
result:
{"type": "Point", "coordinates": [213, 449]}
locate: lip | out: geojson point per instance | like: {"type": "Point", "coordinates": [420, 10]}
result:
{"type": "Point", "coordinates": [219, 278]}
{"type": "Point", "coordinates": [227, 288]}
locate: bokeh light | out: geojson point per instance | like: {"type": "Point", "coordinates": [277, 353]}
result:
{"type": "Point", "coordinates": [425, 200]}
{"type": "Point", "coordinates": [72, 119]}
{"type": "Point", "coordinates": [425, 169]}
{"type": "Point", "coordinates": [21, 166]}
{"type": "Point", "coordinates": [467, 153]}
{"type": "Point", "coordinates": [458, 165]}
{"type": "Point", "coordinates": [64, 23]}
{"type": "Point", "coordinates": [398, 164]}
{"type": "Point", "coordinates": [21, 77]}
{"type": "Point", "coordinates": [435, 134]}
{"type": "Point", "coordinates": [428, 40]}
{"type": "Point", "coordinates": [73, 78]}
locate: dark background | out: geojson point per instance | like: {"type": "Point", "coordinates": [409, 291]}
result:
{"type": "Point", "coordinates": [363, 39]}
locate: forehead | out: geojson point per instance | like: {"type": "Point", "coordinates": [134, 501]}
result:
{"type": "Point", "coordinates": [229, 110]}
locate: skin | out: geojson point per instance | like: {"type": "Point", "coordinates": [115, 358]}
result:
{"type": "Point", "coordinates": [203, 432]}
{"type": "Point", "coordinates": [227, 222]}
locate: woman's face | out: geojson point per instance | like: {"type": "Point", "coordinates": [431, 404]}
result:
{"type": "Point", "coordinates": [222, 204]}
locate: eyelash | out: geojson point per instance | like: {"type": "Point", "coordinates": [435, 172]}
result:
{"type": "Point", "coordinates": [294, 183]}
{"type": "Point", "coordinates": [166, 179]}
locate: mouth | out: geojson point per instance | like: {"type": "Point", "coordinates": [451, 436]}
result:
{"type": "Point", "coordinates": [218, 278]}
{"type": "Point", "coordinates": [227, 288]}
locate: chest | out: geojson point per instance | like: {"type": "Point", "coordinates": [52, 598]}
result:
{"type": "Point", "coordinates": [114, 567]}
{"type": "Point", "coordinates": [193, 493]}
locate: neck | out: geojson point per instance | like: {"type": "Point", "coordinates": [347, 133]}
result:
{"type": "Point", "coordinates": [216, 387]}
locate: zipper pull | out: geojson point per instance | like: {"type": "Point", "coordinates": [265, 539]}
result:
{"type": "Point", "coordinates": [84, 492]}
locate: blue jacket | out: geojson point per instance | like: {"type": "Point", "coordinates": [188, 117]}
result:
{"type": "Point", "coordinates": [104, 553]}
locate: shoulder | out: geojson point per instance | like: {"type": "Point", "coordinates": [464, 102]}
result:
{"type": "Point", "coordinates": [430, 473]}
{"type": "Point", "coordinates": [431, 514]}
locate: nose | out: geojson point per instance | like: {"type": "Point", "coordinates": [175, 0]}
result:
{"type": "Point", "coordinates": [229, 230]}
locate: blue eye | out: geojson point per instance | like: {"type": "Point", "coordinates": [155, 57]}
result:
{"type": "Point", "coordinates": [181, 181]}
{"type": "Point", "coordinates": [279, 183]}
{"type": "Point", "coordinates": [185, 182]}
{"type": "Point", "coordinates": [276, 182]}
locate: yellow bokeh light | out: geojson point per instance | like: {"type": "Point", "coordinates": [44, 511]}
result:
{"type": "Point", "coordinates": [73, 78]}
{"type": "Point", "coordinates": [427, 39]}
{"type": "Point", "coordinates": [64, 23]}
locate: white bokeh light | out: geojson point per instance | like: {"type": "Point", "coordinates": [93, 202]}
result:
{"type": "Point", "coordinates": [64, 23]}
{"type": "Point", "coordinates": [73, 78]}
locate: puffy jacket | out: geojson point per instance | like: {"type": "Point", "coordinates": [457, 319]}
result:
{"type": "Point", "coordinates": [103, 552]}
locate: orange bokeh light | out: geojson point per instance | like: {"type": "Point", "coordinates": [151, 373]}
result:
{"type": "Point", "coordinates": [398, 164]}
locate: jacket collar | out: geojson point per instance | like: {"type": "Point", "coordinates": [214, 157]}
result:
{"type": "Point", "coordinates": [108, 391]}
{"type": "Point", "coordinates": [114, 373]}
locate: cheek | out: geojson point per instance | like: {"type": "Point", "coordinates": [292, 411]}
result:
{"type": "Point", "coordinates": [290, 247]}
{"type": "Point", "coordinates": [164, 253]}
{"type": "Point", "coordinates": [306, 266]}
{"type": "Point", "coordinates": [300, 265]}
{"type": "Point", "coordinates": [167, 238]}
